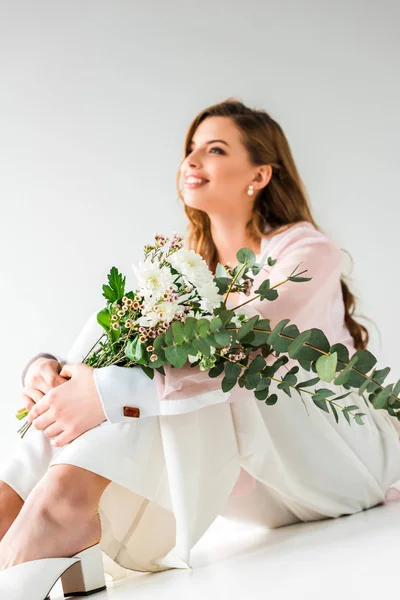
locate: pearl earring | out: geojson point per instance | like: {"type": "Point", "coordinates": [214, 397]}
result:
{"type": "Point", "coordinates": [250, 191]}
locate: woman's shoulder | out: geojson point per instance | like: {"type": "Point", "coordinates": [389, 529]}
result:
{"type": "Point", "coordinates": [299, 234]}
{"type": "Point", "coordinates": [294, 231]}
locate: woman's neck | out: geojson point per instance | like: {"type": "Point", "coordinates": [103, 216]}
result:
{"type": "Point", "coordinates": [228, 240]}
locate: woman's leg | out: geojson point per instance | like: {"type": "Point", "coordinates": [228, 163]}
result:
{"type": "Point", "coordinates": [59, 518]}
{"type": "Point", "coordinates": [10, 506]}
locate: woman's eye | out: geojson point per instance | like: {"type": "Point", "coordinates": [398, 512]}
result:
{"type": "Point", "coordinates": [213, 148]}
{"type": "Point", "coordinates": [216, 148]}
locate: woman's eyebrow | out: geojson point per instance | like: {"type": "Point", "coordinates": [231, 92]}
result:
{"type": "Point", "coordinates": [212, 141]}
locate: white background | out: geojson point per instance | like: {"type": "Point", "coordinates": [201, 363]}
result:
{"type": "Point", "coordinates": [95, 101]}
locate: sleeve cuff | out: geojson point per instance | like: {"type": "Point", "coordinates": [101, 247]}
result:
{"type": "Point", "coordinates": [120, 387]}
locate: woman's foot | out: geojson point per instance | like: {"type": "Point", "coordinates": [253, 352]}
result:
{"type": "Point", "coordinates": [40, 535]}
{"type": "Point", "coordinates": [55, 521]}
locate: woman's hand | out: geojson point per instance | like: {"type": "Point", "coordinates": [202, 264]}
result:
{"type": "Point", "coordinates": [70, 409]}
{"type": "Point", "coordinates": [40, 378]}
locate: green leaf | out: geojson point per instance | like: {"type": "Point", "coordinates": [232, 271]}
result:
{"type": "Point", "coordinates": [203, 326]}
{"type": "Point", "coordinates": [298, 278]}
{"type": "Point", "coordinates": [104, 318]}
{"type": "Point", "coordinates": [168, 337]}
{"type": "Point", "coordinates": [190, 327]}
{"type": "Point", "coordinates": [271, 400]}
{"type": "Point", "coordinates": [282, 343]}
{"type": "Point", "coordinates": [148, 370]}
{"type": "Point", "coordinates": [217, 370]}
{"type": "Point", "coordinates": [273, 336]}
{"type": "Point", "coordinates": [201, 345]}
{"type": "Point", "coordinates": [215, 324]}
{"type": "Point", "coordinates": [178, 331]}
{"type": "Point", "coordinates": [232, 371]}
{"type": "Point", "coordinates": [256, 365]}
{"type": "Point", "coordinates": [358, 419]}
{"type": "Point", "coordinates": [321, 403]}
{"type": "Point", "coordinates": [265, 292]}
{"type": "Point", "coordinates": [261, 394]}
{"type": "Point", "coordinates": [247, 327]}
{"type": "Point", "coordinates": [116, 288]}
{"type": "Point", "coordinates": [176, 355]}
{"type": "Point", "coordinates": [326, 367]}
{"type": "Point", "coordinates": [227, 385]}
{"type": "Point", "coordinates": [158, 342]}
{"type": "Point", "coordinates": [245, 255]}
{"type": "Point", "coordinates": [380, 399]}
{"type": "Point", "coordinates": [307, 383]}
{"type": "Point", "coordinates": [135, 350]}
{"type": "Point", "coordinates": [225, 315]}
{"type": "Point", "coordinates": [333, 409]}
{"type": "Point", "coordinates": [220, 271]}
{"type": "Point", "coordinates": [344, 375]}
{"type": "Point", "coordinates": [222, 337]}
{"type": "Point", "coordinates": [222, 284]}
{"type": "Point", "coordinates": [297, 346]}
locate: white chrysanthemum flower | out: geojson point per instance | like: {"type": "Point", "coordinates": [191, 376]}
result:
{"type": "Point", "coordinates": [191, 265]}
{"type": "Point", "coordinates": [152, 279]}
{"type": "Point", "coordinates": [167, 310]}
{"type": "Point", "coordinates": [209, 293]}
{"type": "Point", "coordinates": [148, 320]}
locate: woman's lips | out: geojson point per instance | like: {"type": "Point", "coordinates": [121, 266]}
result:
{"type": "Point", "coordinates": [195, 185]}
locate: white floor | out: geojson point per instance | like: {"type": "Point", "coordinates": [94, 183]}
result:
{"type": "Point", "coordinates": [351, 557]}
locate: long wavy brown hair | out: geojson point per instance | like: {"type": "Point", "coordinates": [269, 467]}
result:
{"type": "Point", "coordinates": [282, 203]}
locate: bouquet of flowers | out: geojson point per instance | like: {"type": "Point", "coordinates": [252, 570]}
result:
{"type": "Point", "coordinates": [179, 313]}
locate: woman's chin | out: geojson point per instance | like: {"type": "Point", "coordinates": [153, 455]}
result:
{"type": "Point", "coordinates": [197, 203]}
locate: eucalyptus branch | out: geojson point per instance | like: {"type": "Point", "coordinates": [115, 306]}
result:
{"type": "Point", "coordinates": [232, 283]}
{"type": "Point", "coordinates": [292, 386]}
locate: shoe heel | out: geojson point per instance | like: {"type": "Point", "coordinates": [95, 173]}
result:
{"type": "Point", "coordinates": [85, 577]}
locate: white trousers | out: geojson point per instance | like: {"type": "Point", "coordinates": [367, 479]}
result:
{"type": "Point", "coordinates": [171, 476]}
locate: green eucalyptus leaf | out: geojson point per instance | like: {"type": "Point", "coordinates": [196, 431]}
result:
{"type": "Point", "coordinates": [227, 385]}
{"type": "Point", "coordinates": [215, 324]}
{"type": "Point", "coordinates": [149, 372]}
{"type": "Point", "coordinates": [271, 400]}
{"type": "Point", "coordinates": [380, 400]}
{"type": "Point", "coordinates": [217, 370]}
{"type": "Point", "coordinates": [203, 327]}
{"type": "Point", "coordinates": [345, 374]}
{"type": "Point", "coordinates": [245, 255]}
{"type": "Point", "coordinates": [326, 367]}
{"type": "Point", "coordinates": [178, 331]}
{"type": "Point", "coordinates": [201, 345]}
{"type": "Point", "coordinates": [247, 327]}
{"type": "Point", "coordinates": [232, 370]}
{"type": "Point", "coordinates": [176, 355]}
{"type": "Point", "coordinates": [222, 337]}
{"type": "Point", "coordinates": [265, 292]}
{"type": "Point", "coordinates": [273, 336]}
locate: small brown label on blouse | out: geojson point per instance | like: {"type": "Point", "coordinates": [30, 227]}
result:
{"type": "Point", "coordinates": [131, 411]}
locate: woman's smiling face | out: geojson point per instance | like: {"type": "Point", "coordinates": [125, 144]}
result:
{"type": "Point", "coordinates": [217, 154]}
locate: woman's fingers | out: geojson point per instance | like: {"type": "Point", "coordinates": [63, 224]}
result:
{"type": "Point", "coordinates": [43, 375]}
{"type": "Point", "coordinates": [52, 430]}
{"type": "Point", "coordinates": [30, 396]}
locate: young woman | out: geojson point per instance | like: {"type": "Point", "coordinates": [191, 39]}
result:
{"type": "Point", "coordinates": [144, 483]}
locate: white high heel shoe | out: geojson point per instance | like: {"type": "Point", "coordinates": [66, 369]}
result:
{"type": "Point", "coordinates": [81, 575]}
